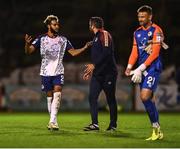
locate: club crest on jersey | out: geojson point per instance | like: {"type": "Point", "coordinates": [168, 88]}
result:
{"type": "Point", "coordinates": [96, 39]}
{"type": "Point", "coordinates": [149, 33]}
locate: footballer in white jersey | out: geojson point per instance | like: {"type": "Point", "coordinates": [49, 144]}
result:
{"type": "Point", "coordinates": [52, 52]}
{"type": "Point", "coordinates": [52, 48]}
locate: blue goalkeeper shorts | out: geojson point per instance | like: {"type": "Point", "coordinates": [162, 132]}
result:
{"type": "Point", "coordinates": [150, 81]}
{"type": "Point", "coordinates": [48, 82]}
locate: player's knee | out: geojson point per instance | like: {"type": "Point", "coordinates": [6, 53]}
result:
{"type": "Point", "coordinates": [146, 94]}
{"type": "Point", "coordinates": [145, 97]}
{"type": "Point", "coordinates": [111, 100]}
{"type": "Point", "coordinates": [57, 88]}
{"type": "Point", "coordinates": [49, 93]}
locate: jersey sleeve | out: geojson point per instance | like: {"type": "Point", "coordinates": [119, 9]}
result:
{"type": "Point", "coordinates": [36, 42]}
{"type": "Point", "coordinates": [134, 53]}
{"type": "Point", "coordinates": [158, 37]}
{"type": "Point", "coordinates": [69, 45]}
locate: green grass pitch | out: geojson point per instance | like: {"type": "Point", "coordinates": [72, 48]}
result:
{"type": "Point", "coordinates": [29, 130]}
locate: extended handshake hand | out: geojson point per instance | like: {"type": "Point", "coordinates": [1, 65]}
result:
{"type": "Point", "coordinates": [88, 44]}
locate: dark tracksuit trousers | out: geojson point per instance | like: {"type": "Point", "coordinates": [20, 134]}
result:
{"type": "Point", "coordinates": [107, 83]}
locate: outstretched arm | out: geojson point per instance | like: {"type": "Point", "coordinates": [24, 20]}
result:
{"type": "Point", "coordinates": [29, 48]}
{"type": "Point", "coordinates": [75, 52]}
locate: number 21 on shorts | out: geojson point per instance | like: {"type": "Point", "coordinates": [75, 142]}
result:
{"type": "Point", "coordinates": [151, 81]}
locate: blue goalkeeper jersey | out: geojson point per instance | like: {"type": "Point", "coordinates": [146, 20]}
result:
{"type": "Point", "coordinates": [143, 38]}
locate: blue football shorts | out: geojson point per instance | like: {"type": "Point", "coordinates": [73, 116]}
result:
{"type": "Point", "coordinates": [150, 81]}
{"type": "Point", "coordinates": [48, 82]}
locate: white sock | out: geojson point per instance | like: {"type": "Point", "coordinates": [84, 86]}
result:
{"type": "Point", "coordinates": [155, 125]}
{"type": "Point", "coordinates": [55, 107]}
{"type": "Point", "coordinates": [49, 101]}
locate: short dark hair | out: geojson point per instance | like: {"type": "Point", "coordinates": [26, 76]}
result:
{"type": "Point", "coordinates": [145, 8]}
{"type": "Point", "coordinates": [97, 22]}
{"type": "Point", "coordinates": [49, 18]}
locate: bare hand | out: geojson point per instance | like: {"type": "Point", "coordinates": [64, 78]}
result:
{"type": "Point", "coordinates": [28, 39]}
{"type": "Point", "coordinates": [86, 76]}
{"type": "Point", "coordinates": [89, 68]}
{"type": "Point", "coordinates": [88, 44]}
{"type": "Point", "coordinates": [88, 71]}
{"type": "Point", "coordinates": [128, 72]}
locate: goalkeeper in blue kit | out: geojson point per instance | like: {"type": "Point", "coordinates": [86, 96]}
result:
{"type": "Point", "coordinates": [148, 40]}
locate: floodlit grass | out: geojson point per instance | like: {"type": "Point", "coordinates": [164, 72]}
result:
{"type": "Point", "coordinates": [29, 130]}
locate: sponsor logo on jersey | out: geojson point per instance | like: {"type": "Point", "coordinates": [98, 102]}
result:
{"type": "Point", "coordinates": [149, 33]}
{"type": "Point", "coordinates": [96, 39]}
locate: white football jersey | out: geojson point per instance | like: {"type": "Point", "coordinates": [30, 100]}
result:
{"type": "Point", "coordinates": [52, 52]}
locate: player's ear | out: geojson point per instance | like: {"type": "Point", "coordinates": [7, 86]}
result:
{"type": "Point", "coordinates": [150, 17]}
{"type": "Point", "coordinates": [48, 26]}
{"type": "Point", "coordinates": [92, 26]}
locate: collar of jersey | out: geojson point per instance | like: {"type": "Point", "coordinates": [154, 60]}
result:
{"type": "Point", "coordinates": [142, 27]}
{"type": "Point", "coordinates": [51, 37]}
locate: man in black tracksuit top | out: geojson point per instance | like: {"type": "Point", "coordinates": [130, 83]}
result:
{"type": "Point", "coordinates": [104, 73]}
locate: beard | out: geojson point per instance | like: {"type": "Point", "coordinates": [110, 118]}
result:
{"type": "Point", "coordinates": [140, 23]}
{"type": "Point", "coordinates": [91, 31]}
{"type": "Point", "coordinates": [53, 31]}
{"type": "Point", "coordinates": [143, 23]}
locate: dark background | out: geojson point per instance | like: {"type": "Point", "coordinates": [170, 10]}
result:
{"type": "Point", "coordinates": [18, 17]}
